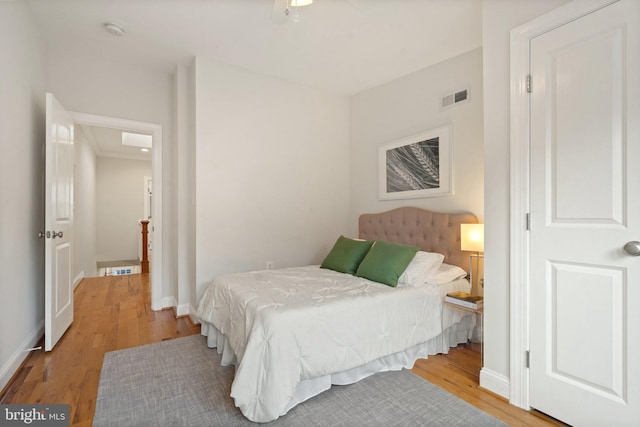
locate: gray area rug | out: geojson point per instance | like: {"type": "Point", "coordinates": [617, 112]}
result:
{"type": "Point", "coordinates": [181, 383]}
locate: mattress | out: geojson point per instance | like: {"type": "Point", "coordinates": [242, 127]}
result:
{"type": "Point", "coordinates": [285, 329]}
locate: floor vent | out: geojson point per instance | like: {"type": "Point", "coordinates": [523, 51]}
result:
{"type": "Point", "coordinates": [119, 271]}
{"type": "Point", "coordinates": [118, 268]}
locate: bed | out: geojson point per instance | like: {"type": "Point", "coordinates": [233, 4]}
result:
{"type": "Point", "coordinates": [293, 333]}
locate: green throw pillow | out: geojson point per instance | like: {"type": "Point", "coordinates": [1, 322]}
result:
{"type": "Point", "coordinates": [386, 261]}
{"type": "Point", "coordinates": [346, 255]}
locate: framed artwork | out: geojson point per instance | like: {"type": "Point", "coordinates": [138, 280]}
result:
{"type": "Point", "coordinates": [416, 166]}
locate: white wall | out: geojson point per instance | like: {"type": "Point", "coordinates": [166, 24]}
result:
{"type": "Point", "coordinates": [84, 214]}
{"type": "Point", "coordinates": [272, 167]}
{"type": "Point", "coordinates": [22, 133]}
{"type": "Point", "coordinates": [410, 105]}
{"type": "Point", "coordinates": [99, 86]}
{"type": "Point", "coordinates": [191, 184]}
{"type": "Point", "coordinates": [499, 17]}
{"type": "Point", "coordinates": [184, 159]}
{"type": "Point", "coordinates": [119, 206]}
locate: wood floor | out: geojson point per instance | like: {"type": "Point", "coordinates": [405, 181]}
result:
{"type": "Point", "coordinates": [110, 313]}
{"type": "Point", "coordinates": [113, 313]}
{"type": "Point", "coordinates": [458, 373]}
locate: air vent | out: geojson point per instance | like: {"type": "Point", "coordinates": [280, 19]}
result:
{"type": "Point", "coordinates": [454, 98]}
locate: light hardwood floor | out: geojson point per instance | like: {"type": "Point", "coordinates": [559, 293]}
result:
{"type": "Point", "coordinates": [458, 373]}
{"type": "Point", "coordinates": [113, 313]}
{"type": "Point", "coordinates": [110, 313]}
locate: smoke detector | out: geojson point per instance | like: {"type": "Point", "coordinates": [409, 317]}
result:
{"type": "Point", "coordinates": [114, 29]}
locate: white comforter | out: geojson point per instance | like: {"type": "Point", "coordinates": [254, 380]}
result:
{"type": "Point", "coordinates": [288, 325]}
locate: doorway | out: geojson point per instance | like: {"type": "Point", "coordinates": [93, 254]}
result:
{"type": "Point", "coordinates": [156, 202]}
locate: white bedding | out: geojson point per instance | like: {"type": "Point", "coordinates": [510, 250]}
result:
{"type": "Point", "coordinates": [286, 326]}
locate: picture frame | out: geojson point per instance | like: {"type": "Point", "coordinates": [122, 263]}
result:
{"type": "Point", "coordinates": [416, 166]}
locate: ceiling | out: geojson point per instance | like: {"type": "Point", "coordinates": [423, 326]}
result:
{"type": "Point", "coordinates": [107, 142]}
{"type": "Point", "coordinates": [341, 46]}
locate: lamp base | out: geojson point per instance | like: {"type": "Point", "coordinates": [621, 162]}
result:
{"type": "Point", "coordinates": [471, 257]}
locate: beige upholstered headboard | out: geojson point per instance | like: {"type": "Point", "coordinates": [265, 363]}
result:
{"type": "Point", "coordinates": [431, 231]}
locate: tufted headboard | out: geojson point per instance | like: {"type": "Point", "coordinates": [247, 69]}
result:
{"type": "Point", "coordinates": [431, 231]}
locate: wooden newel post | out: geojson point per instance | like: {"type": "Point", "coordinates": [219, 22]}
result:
{"type": "Point", "coordinates": [144, 263]}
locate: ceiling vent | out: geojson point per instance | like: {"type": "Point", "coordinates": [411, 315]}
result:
{"type": "Point", "coordinates": [451, 99]}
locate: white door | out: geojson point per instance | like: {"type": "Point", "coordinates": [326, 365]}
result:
{"type": "Point", "coordinates": [58, 222]}
{"type": "Point", "coordinates": [585, 206]}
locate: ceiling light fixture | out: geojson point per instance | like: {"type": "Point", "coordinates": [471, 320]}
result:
{"type": "Point", "coordinates": [144, 150]}
{"type": "Point", "coordinates": [114, 29]}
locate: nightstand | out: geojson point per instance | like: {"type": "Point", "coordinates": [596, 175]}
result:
{"type": "Point", "coordinates": [480, 314]}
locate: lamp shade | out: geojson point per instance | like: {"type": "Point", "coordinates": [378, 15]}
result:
{"type": "Point", "coordinates": [472, 237]}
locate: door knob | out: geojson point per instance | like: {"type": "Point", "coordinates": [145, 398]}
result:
{"type": "Point", "coordinates": [59, 234]}
{"type": "Point", "coordinates": [632, 248]}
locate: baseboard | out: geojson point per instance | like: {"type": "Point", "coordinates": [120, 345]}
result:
{"type": "Point", "coordinates": [169, 302]}
{"type": "Point", "coordinates": [494, 382]}
{"type": "Point", "coordinates": [182, 310]}
{"type": "Point", "coordinates": [192, 315]}
{"type": "Point", "coordinates": [78, 279]}
{"type": "Point", "coordinates": [13, 364]}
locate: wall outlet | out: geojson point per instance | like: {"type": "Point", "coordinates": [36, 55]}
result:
{"type": "Point", "coordinates": [269, 265]}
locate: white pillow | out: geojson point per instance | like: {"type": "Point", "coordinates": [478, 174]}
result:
{"type": "Point", "coordinates": [423, 265]}
{"type": "Point", "coordinates": [447, 273]}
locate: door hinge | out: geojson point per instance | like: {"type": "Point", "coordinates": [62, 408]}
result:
{"type": "Point", "coordinates": [528, 83]}
{"type": "Point", "coordinates": [527, 219]}
{"type": "Point", "coordinates": [526, 359]}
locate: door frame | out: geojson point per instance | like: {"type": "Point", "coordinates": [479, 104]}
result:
{"type": "Point", "coordinates": [520, 186]}
{"type": "Point", "coordinates": [156, 167]}
{"type": "Point", "coordinates": [148, 207]}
